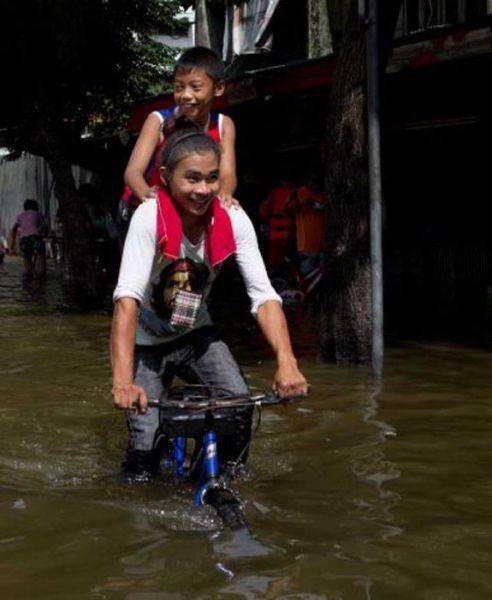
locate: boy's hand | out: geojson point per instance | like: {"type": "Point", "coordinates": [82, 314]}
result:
{"type": "Point", "coordinates": [150, 194]}
{"type": "Point", "coordinates": [289, 381]}
{"type": "Point", "coordinates": [228, 201]}
{"type": "Point", "coordinates": [130, 396]}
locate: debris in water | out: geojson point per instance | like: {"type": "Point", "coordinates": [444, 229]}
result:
{"type": "Point", "coordinates": [225, 571]}
{"type": "Point", "coordinates": [261, 508]}
{"type": "Point", "coordinates": [239, 544]}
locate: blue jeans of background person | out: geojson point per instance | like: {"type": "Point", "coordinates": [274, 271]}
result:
{"type": "Point", "coordinates": [31, 245]}
{"type": "Point", "coordinates": [198, 357]}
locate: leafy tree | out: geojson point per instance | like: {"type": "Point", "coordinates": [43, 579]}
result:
{"type": "Point", "coordinates": [74, 67]}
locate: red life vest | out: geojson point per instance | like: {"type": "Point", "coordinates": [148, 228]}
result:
{"type": "Point", "coordinates": [280, 224]}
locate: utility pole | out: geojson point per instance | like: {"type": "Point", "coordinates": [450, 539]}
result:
{"type": "Point", "coordinates": [369, 11]}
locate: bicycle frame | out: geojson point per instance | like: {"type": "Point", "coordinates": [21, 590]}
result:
{"type": "Point", "coordinates": [213, 487]}
{"type": "Point", "coordinates": [210, 468]}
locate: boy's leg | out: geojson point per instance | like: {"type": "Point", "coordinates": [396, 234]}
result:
{"type": "Point", "coordinates": [39, 251]}
{"type": "Point", "coordinates": [213, 365]}
{"type": "Point", "coordinates": [154, 371]}
{"type": "Point", "coordinates": [28, 268]}
{"type": "Point", "coordinates": [25, 246]}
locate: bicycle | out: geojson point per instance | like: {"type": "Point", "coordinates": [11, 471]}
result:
{"type": "Point", "coordinates": [188, 415]}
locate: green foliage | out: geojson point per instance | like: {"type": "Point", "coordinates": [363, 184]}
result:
{"type": "Point", "coordinates": [80, 62]}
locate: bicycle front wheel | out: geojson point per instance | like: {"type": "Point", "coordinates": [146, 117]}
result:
{"type": "Point", "coordinates": [228, 507]}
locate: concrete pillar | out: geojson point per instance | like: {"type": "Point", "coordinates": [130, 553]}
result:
{"type": "Point", "coordinates": [319, 34]}
{"type": "Point", "coordinates": [202, 26]}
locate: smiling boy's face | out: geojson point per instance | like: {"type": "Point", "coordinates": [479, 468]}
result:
{"type": "Point", "coordinates": [194, 183]}
{"type": "Point", "coordinates": [194, 93]}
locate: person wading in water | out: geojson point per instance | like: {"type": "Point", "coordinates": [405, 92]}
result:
{"type": "Point", "coordinates": [175, 247]}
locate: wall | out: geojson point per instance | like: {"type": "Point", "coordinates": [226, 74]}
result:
{"type": "Point", "coordinates": [29, 177]}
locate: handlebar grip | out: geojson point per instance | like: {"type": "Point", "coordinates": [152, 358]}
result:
{"type": "Point", "coordinates": [272, 399]}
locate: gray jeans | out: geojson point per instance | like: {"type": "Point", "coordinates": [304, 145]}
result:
{"type": "Point", "coordinates": [199, 357]}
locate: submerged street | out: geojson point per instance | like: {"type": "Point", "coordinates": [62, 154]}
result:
{"type": "Point", "coordinates": [360, 492]}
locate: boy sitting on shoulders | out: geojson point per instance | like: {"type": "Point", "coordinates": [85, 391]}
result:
{"type": "Point", "coordinates": [197, 80]}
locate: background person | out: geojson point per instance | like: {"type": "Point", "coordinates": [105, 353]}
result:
{"type": "Point", "coordinates": [307, 203]}
{"type": "Point", "coordinates": [30, 227]}
{"type": "Point", "coordinates": [279, 224]}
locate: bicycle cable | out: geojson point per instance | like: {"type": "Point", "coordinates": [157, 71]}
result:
{"type": "Point", "coordinates": [258, 406]}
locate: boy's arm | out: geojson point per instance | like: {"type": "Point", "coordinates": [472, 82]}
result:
{"type": "Point", "coordinates": [135, 273]}
{"type": "Point", "coordinates": [125, 393]}
{"type": "Point", "coordinates": [266, 306]}
{"type": "Point", "coordinates": [141, 156]}
{"type": "Point", "coordinates": [228, 178]}
{"type": "Point", "coordinates": [288, 380]}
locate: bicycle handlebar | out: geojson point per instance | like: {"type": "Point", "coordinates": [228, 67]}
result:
{"type": "Point", "coordinates": [202, 403]}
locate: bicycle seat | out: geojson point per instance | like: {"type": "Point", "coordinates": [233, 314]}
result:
{"type": "Point", "coordinates": [176, 422]}
{"type": "Point", "coordinates": [186, 422]}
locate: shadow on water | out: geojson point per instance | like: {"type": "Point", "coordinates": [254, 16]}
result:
{"type": "Point", "coordinates": [357, 493]}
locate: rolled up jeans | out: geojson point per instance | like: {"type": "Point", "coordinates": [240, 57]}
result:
{"type": "Point", "coordinates": [198, 357]}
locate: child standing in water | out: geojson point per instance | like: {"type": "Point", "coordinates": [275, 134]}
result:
{"type": "Point", "coordinates": [31, 225]}
{"type": "Point", "coordinates": [198, 80]}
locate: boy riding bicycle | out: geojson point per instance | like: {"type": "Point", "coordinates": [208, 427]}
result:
{"type": "Point", "coordinates": [175, 247]}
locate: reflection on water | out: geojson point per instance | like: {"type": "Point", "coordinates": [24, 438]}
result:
{"type": "Point", "coordinates": [359, 493]}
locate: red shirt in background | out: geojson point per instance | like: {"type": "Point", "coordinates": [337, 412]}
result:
{"type": "Point", "coordinates": [309, 209]}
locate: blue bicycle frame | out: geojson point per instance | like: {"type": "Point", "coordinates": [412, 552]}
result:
{"type": "Point", "coordinates": [209, 477]}
{"type": "Point", "coordinates": [210, 467]}
{"type": "Point", "coordinates": [213, 485]}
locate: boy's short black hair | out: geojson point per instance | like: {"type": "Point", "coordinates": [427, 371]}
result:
{"type": "Point", "coordinates": [200, 57]}
{"type": "Point", "coordinates": [186, 138]}
{"type": "Point", "coordinates": [30, 204]}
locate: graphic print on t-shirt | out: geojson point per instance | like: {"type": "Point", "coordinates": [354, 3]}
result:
{"type": "Point", "coordinates": [176, 298]}
{"type": "Point", "coordinates": [182, 274]}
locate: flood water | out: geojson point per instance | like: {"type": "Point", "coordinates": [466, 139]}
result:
{"type": "Point", "coordinates": [361, 492]}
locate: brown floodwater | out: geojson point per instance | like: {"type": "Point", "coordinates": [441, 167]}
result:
{"type": "Point", "coordinates": [361, 492]}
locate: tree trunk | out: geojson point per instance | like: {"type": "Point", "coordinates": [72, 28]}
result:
{"type": "Point", "coordinates": [77, 247]}
{"type": "Point", "coordinates": [346, 328]}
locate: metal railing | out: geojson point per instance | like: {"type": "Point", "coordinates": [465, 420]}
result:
{"type": "Point", "coordinates": [419, 16]}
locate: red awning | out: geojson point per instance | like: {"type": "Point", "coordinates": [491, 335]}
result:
{"type": "Point", "coordinates": [284, 79]}
{"type": "Point", "coordinates": [318, 73]}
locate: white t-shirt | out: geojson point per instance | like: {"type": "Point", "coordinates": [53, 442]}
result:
{"type": "Point", "coordinates": [150, 278]}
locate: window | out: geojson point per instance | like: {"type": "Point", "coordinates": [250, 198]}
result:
{"type": "Point", "coordinates": [422, 15]}
{"type": "Point", "coordinates": [290, 30]}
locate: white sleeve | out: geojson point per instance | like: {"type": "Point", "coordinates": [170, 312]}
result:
{"type": "Point", "coordinates": [250, 261]}
{"type": "Point", "coordinates": [158, 115]}
{"type": "Point", "coordinates": [138, 254]}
